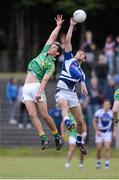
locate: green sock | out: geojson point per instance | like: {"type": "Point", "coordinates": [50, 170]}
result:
{"type": "Point", "coordinates": [43, 137]}
{"type": "Point", "coordinates": [56, 135]}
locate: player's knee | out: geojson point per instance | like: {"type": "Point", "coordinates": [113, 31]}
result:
{"type": "Point", "coordinates": [72, 148]}
{"type": "Point", "coordinates": [107, 149]}
{"type": "Point", "coordinates": [32, 114]}
{"type": "Point", "coordinates": [99, 149]}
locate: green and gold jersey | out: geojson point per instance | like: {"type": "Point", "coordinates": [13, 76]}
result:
{"type": "Point", "coordinates": [42, 64]}
{"type": "Point", "coordinates": [116, 95]}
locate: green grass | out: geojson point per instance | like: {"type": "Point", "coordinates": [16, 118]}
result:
{"type": "Point", "coordinates": [34, 163]}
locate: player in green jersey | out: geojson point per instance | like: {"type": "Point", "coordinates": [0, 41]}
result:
{"type": "Point", "coordinates": [40, 70]}
{"type": "Point", "coordinates": [70, 137]}
{"type": "Point", "coordinates": [115, 108]}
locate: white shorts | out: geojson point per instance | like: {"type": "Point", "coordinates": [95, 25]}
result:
{"type": "Point", "coordinates": [30, 91]}
{"type": "Point", "coordinates": [70, 96]}
{"type": "Point", "coordinates": [72, 140]}
{"type": "Point", "coordinates": [103, 137]}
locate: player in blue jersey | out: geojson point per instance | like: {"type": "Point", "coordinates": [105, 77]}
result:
{"type": "Point", "coordinates": [66, 97]}
{"type": "Point", "coordinates": [103, 125]}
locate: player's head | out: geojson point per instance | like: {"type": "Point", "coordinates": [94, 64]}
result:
{"type": "Point", "coordinates": [13, 80]}
{"type": "Point", "coordinates": [106, 104]}
{"type": "Point", "coordinates": [55, 49]}
{"type": "Point", "coordinates": [80, 56]}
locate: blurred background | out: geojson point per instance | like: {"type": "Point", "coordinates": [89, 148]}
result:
{"type": "Point", "coordinates": [25, 26]}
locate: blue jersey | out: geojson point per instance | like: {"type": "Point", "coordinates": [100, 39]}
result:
{"type": "Point", "coordinates": [104, 120]}
{"type": "Point", "coordinates": [71, 73]}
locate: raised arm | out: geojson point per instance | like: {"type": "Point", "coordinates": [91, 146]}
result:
{"type": "Point", "coordinates": [68, 46]}
{"type": "Point", "coordinates": [59, 20]}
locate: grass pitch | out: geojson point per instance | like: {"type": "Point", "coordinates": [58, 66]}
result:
{"type": "Point", "coordinates": [49, 164]}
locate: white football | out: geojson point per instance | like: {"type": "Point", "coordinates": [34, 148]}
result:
{"type": "Point", "coordinates": [79, 16]}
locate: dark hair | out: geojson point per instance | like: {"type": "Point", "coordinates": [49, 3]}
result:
{"type": "Point", "coordinates": [84, 52]}
{"type": "Point", "coordinates": [106, 100]}
{"type": "Point", "coordinates": [59, 49]}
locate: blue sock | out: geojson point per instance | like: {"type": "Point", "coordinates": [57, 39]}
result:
{"type": "Point", "coordinates": [67, 122]}
{"type": "Point", "coordinates": [79, 139]}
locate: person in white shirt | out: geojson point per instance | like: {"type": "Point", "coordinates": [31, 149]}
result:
{"type": "Point", "coordinates": [66, 96]}
{"type": "Point", "coordinates": [104, 130]}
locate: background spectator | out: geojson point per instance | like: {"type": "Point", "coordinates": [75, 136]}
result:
{"type": "Point", "coordinates": [55, 113]}
{"type": "Point", "coordinates": [22, 110]}
{"type": "Point", "coordinates": [89, 46]}
{"type": "Point", "coordinates": [94, 100]}
{"type": "Point", "coordinates": [117, 54]}
{"type": "Point", "coordinates": [101, 71]}
{"type": "Point", "coordinates": [110, 89]}
{"type": "Point", "coordinates": [11, 94]}
{"type": "Point", "coordinates": [109, 53]}
{"type": "Point", "coordinates": [103, 125]}
{"type": "Point", "coordinates": [61, 57]}
{"type": "Point", "coordinates": [88, 69]}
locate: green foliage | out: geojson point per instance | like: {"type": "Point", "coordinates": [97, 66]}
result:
{"type": "Point", "coordinates": [94, 5]}
{"type": "Point", "coordinates": [68, 6]}
{"type": "Point", "coordinates": [71, 5]}
{"type": "Point", "coordinates": [30, 24]}
{"type": "Point", "coordinates": [28, 3]}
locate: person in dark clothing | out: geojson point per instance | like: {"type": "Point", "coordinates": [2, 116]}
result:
{"type": "Point", "coordinates": [110, 89]}
{"type": "Point", "coordinates": [94, 100]}
{"type": "Point", "coordinates": [101, 71]}
{"type": "Point", "coordinates": [89, 46]}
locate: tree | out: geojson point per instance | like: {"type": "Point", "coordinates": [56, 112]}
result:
{"type": "Point", "coordinates": [28, 23]}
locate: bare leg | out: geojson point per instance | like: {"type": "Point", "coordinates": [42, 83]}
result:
{"type": "Point", "coordinates": [31, 108]}
{"type": "Point", "coordinates": [107, 150]}
{"type": "Point", "coordinates": [107, 153]}
{"type": "Point", "coordinates": [42, 106]}
{"type": "Point", "coordinates": [77, 113]}
{"type": "Point", "coordinates": [64, 107]}
{"type": "Point", "coordinates": [71, 148]}
{"type": "Point", "coordinates": [99, 149]}
{"type": "Point", "coordinates": [81, 158]}
{"type": "Point", "coordinates": [65, 113]}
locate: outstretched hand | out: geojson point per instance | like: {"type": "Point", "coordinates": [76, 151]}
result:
{"type": "Point", "coordinates": [59, 20]}
{"type": "Point", "coordinates": [72, 22]}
